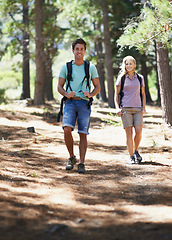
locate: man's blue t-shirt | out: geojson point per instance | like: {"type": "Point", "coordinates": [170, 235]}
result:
{"type": "Point", "coordinates": [78, 74]}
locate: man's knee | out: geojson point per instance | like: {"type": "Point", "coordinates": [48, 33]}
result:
{"type": "Point", "coordinates": [67, 130]}
{"type": "Point", "coordinates": [83, 136]}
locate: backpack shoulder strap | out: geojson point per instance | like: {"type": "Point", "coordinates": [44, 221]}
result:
{"type": "Point", "coordinates": [69, 70]}
{"type": "Point", "coordinates": [140, 80]}
{"type": "Point", "coordinates": [122, 82]}
{"type": "Point", "coordinates": [87, 74]}
{"type": "Point", "coordinates": [121, 94]}
{"type": "Point", "coordinates": [69, 74]}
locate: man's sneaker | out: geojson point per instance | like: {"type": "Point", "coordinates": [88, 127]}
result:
{"type": "Point", "coordinates": [71, 163]}
{"type": "Point", "coordinates": [131, 160]}
{"type": "Point", "coordinates": [81, 168]}
{"type": "Point", "coordinates": [137, 156]}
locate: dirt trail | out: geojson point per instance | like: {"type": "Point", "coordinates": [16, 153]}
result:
{"type": "Point", "coordinates": [40, 200]}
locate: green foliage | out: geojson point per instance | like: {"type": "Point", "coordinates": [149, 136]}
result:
{"type": "Point", "coordinates": [12, 25]}
{"type": "Point", "coordinates": [53, 34]}
{"type": "Point", "coordinates": [80, 17]}
{"type": "Point", "coordinates": [12, 11]}
{"type": "Point", "coordinates": [10, 82]}
{"type": "Point", "coordinates": [10, 79]}
{"type": "Point", "coordinates": [121, 11]}
{"type": "Point", "coordinates": [153, 24]}
{"type": "Point", "coordinates": [2, 95]}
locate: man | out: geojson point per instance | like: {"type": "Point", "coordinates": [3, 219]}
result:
{"type": "Point", "coordinates": [76, 106]}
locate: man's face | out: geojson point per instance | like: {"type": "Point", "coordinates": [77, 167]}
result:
{"type": "Point", "coordinates": [79, 51]}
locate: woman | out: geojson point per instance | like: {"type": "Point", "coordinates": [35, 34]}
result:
{"type": "Point", "coordinates": [132, 106]}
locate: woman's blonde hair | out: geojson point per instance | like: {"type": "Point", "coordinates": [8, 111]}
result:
{"type": "Point", "coordinates": [123, 71]}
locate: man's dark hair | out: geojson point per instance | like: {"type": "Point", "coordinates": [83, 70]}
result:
{"type": "Point", "coordinates": [80, 41]}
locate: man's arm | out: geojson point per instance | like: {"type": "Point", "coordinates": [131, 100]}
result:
{"type": "Point", "coordinates": [61, 90]}
{"type": "Point", "coordinates": [96, 89]}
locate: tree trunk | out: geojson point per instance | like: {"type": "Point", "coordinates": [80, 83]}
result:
{"type": "Point", "coordinates": [144, 73]}
{"type": "Point", "coordinates": [157, 78]}
{"type": "Point", "coordinates": [49, 80]}
{"type": "Point", "coordinates": [108, 55]}
{"type": "Point", "coordinates": [157, 85]}
{"type": "Point", "coordinates": [165, 82]}
{"type": "Point", "coordinates": [26, 56]}
{"type": "Point", "coordinates": [39, 96]}
{"type": "Point", "coordinates": [100, 66]}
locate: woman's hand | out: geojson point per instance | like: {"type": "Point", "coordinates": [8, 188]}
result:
{"type": "Point", "coordinates": [119, 112]}
{"type": "Point", "coordinates": [143, 110]}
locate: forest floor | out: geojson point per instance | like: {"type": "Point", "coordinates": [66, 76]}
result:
{"type": "Point", "coordinates": [39, 200]}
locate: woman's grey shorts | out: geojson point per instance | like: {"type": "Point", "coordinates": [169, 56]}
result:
{"type": "Point", "coordinates": [132, 117]}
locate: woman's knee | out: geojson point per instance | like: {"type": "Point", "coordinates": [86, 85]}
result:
{"type": "Point", "coordinates": [138, 130]}
{"type": "Point", "coordinates": [129, 131]}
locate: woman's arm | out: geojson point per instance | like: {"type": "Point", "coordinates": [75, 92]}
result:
{"type": "Point", "coordinates": [143, 100]}
{"type": "Point", "coordinates": [117, 91]}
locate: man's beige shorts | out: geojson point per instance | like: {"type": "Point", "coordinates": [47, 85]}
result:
{"type": "Point", "coordinates": [132, 117]}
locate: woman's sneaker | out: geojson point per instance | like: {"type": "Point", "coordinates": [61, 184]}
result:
{"type": "Point", "coordinates": [137, 156]}
{"type": "Point", "coordinates": [131, 160]}
{"type": "Point", "coordinates": [81, 168]}
{"type": "Point", "coordinates": [71, 163]}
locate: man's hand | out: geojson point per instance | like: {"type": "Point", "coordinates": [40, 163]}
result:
{"type": "Point", "coordinates": [87, 94]}
{"type": "Point", "coordinates": [70, 94]}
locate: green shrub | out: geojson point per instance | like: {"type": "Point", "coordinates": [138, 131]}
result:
{"type": "Point", "coordinates": [10, 79]}
{"type": "Point", "coordinates": [2, 95]}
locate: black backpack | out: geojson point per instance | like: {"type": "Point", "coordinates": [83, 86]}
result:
{"type": "Point", "coordinates": [69, 78]}
{"type": "Point", "coordinates": [121, 93]}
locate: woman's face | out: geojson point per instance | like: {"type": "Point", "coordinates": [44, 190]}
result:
{"type": "Point", "coordinates": [130, 65]}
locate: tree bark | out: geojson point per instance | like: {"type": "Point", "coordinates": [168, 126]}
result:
{"type": "Point", "coordinates": [165, 82]}
{"type": "Point", "coordinates": [39, 96]}
{"type": "Point", "coordinates": [26, 56]}
{"type": "Point", "coordinates": [157, 78]}
{"type": "Point", "coordinates": [49, 80]}
{"type": "Point", "coordinates": [100, 66]}
{"type": "Point", "coordinates": [108, 55]}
